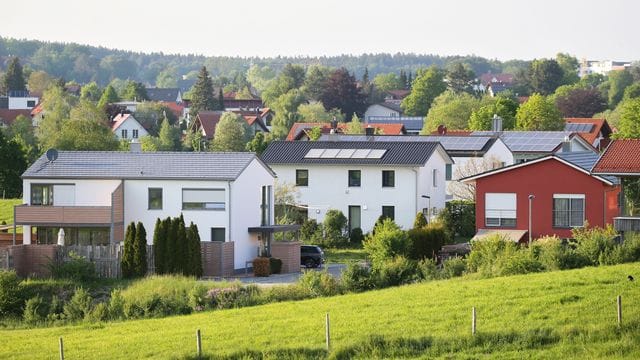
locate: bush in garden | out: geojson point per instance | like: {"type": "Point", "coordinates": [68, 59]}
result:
{"type": "Point", "coordinates": [386, 242]}
{"type": "Point", "coordinates": [517, 262]}
{"type": "Point", "coordinates": [308, 230]}
{"type": "Point", "coordinates": [10, 293]}
{"type": "Point", "coordinates": [335, 223]}
{"type": "Point", "coordinates": [357, 278]}
{"type": "Point", "coordinates": [35, 310]}
{"type": "Point", "coordinates": [594, 243]}
{"type": "Point", "coordinates": [140, 251]}
{"type": "Point", "coordinates": [127, 264]}
{"type": "Point", "coordinates": [628, 251]}
{"type": "Point", "coordinates": [458, 218]}
{"type": "Point", "coordinates": [454, 267]}
{"type": "Point", "coordinates": [555, 254]}
{"type": "Point", "coordinates": [283, 293]}
{"type": "Point", "coordinates": [116, 305]}
{"type": "Point", "coordinates": [159, 247]}
{"type": "Point", "coordinates": [485, 252]}
{"type": "Point", "coordinates": [420, 221]}
{"type": "Point", "coordinates": [356, 236]}
{"type": "Point", "coordinates": [319, 283]}
{"type": "Point", "coordinates": [99, 313]}
{"type": "Point", "coordinates": [194, 251]}
{"type": "Point", "coordinates": [396, 271]}
{"type": "Point", "coordinates": [77, 268]}
{"type": "Point", "coordinates": [261, 266]}
{"type": "Point", "coordinates": [428, 269]}
{"type": "Point", "coordinates": [232, 297]}
{"type": "Point", "coordinates": [426, 241]}
{"type": "Point", "coordinates": [275, 265]}
{"type": "Point", "coordinates": [56, 308]}
{"type": "Point", "coordinates": [79, 306]}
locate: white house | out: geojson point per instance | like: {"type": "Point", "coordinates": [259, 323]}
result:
{"type": "Point", "coordinates": [126, 127]}
{"type": "Point", "coordinates": [383, 109]}
{"type": "Point", "coordinates": [18, 100]}
{"type": "Point", "coordinates": [94, 195]}
{"type": "Point", "coordinates": [363, 179]}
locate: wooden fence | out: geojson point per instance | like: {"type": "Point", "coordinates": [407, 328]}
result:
{"type": "Point", "coordinates": [106, 258]}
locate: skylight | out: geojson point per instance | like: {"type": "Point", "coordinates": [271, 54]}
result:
{"type": "Point", "coordinates": [345, 153]}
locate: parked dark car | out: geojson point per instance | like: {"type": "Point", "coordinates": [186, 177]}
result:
{"type": "Point", "coordinates": [311, 256]}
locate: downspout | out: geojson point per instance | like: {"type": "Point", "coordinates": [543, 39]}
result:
{"type": "Point", "coordinates": [416, 195]}
{"type": "Point", "coordinates": [229, 217]}
{"type": "Point", "coordinates": [14, 225]}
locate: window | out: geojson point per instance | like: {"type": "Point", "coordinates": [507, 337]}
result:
{"type": "Point", "coordinates": [354, 178]}
{"type": "Point", "coordinates": [41, 194]}
{"type": "Point", "coordinates": [447, 172]}
{"type": "Point", "coordinates": [568, 210]}
{"type": "Point", "coordinates": [302, 177]}
{"type": "Point", "coordinates": [265, 206]}
{"type": "Point", "coordinates": [134, 133]}
{"type": "Point", "coordinates": [217, 234]}
{"type": "Point", "coordinates": [388, 178]}
{"type": "Point", "coordinates": [389, 212]}
{"type": "Point", "coordinates": [123, 133]}
{"type": "Point", "coordinates": [435, 177]}
{"type": "Point", "coordinates": [203, 199]}
{"type": "Point", "coordinates": [155, 198]}
{"type": "Point", "coordinates": [31, 103]}
{"type": "Point", "coordinates": [500, 209]}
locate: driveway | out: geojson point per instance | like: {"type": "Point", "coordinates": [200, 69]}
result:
{"type": "Point", "coordinates": [282, 279]}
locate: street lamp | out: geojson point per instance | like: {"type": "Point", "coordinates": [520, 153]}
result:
{"type": "Point", "coordinates": [531, 197]}
{"type": "Point", "coordinates": [428, 206]}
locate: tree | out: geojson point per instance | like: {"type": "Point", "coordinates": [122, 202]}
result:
{"type": "Point", "coordinates": [427, 85]}
{"type": "Point", "coordinates": [420, 221]}
{"type": "Point", "coordinates": [342, 92]}
{"type": "Point", "coordinates": [569, 65]}
{"type": "Point", "coordinates": [386, 82]}
{"type": "Point", "coordinates": [168, 137]}
{"type": "Point", "coordinates": [316, 81]}
{"type": "Point", "coordinates": [314, 111]}
{"type": "Point", "coordinates": [86, 130]}
{"type": "Point", "coordinates": [140, 251]}
{"type": "Point", "coordinates": [504, 107]}
{"type": "Point", "coordinates": [202, 97]}
{"type": "Point", "coordinates": [14, 79]}
{"type": "Point", "coordinates": [91, 91]}
{"type": "Point", "coordinates": [109, 95]}
{"type": "Point", "coordinates": [546, 75]}
{"type": "Point", "coordinates": [181, 255]}
{"type": "Point", "coordinates": [258, 144]}
{"type": "Point", "coordinates": [171, 262]}
{"type": "Point", "coordinates": [135, 91]}
{"type": "Point", "coordinates": [354, 127]}
{"type": "Point", "coordinates": [452, 110]}
{"type": "Point", "coordinates": [220, 103]}
{"type": "Point", "coordinates": [39, 82]}
{"type": "Point", "coordinates": [581, 103]}
{"type": "Point", "coordinates": [159, 247]}
{"type": "Point", "coordinates": [292, 77]}
{"type": "Point", "coordinates": [286, 110]}
{"type": "Point", "coordinates": [230, 133]}
{"type": "Point", "coordinates": [539, 113]}
{"type": "Point", "coordinates": [629, 124]}
{"type": "Point", "coordinates": [473, 166]}
{"type": "Point", "coordinates": [195, 256]}
{"type": "Point", "coordinates": [128, 256]}
{"type": "Point", "coordinates": [285, 198]}
{"type": "Point", "coordinates": [460, 78]}
{"type": "Point", "coordinates": [260, 77]}
{"type": "Point", "coordinates": [632, 91]}
{"type": "Point", "coordinates": [21, 131]}
{"type": "Point", "coordinates": [57, 105]}
{"type": "Point", "coordinates": [167, 78]}
{"type": "Point", "coordinates": [151, 114]}
{"type": "Point", "coordinates": [386, 242]}
{"type": "Point", "coordinates": [13, 165]}
{"type": "Point", "coordinates": [618, 82]}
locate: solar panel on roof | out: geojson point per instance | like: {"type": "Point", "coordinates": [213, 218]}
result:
{"type": "Point", "coordinates": [376, 153]}
{"type": "Point", "coordinates": [578, 127]}
{"type": "Point", "coordinates": [330, 153]}
{"type": "Point", "coordinates": [345, 153]}
{"type": "Point", "coordinates": [361, 154]}
{"type": "Point", "coordinates": [314, 153]}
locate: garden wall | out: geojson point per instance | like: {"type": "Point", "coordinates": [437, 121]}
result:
{"type": "Point", "coordinates": [289, 253]}
{"type": "Point", "coordinates": [217, 258]}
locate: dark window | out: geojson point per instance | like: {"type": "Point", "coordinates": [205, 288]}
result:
{"type": "Point", "coordinates": [568, 212]}
{"type": "Point", "coordinates": [31, 103]}
{"type": "Point", "coordinates": [354, 177]}
{"type": "Point", "coordinates": [155, 198]}
{"type": "Point", "coordinates": [389, 212]}
{"type": "Point", "coordinates": [41, 194]}
{"type": "Point", "coordinates": [134, 133]}
{"type": "Point", "coordinates": [203, 199]}
{"type": "Point", "coordinates": [217, 234]}
{"type": "Point", "coordinates": [388, 178]}
{"type": "Point", "coordinates": [447, 172]}
{"type": "Point", "coordinates": [123, 133]}
{"type": "Point", "coordinates": [302, 177]}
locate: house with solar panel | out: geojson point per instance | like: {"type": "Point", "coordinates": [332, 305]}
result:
{"type": "Point", "coordinates": [363, 179]}
{"type": "Point", "coordinates": [93, 195]}
{"type": "Point", "coordinates": [484, 151]}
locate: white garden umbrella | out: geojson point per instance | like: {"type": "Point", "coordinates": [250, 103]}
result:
{"type": "Point", "coordinates": [61, 237]}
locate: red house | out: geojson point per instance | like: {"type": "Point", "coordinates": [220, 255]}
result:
{"type": "Point", "coordinates": [560, 190]}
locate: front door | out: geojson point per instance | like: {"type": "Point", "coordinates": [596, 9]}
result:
{"type": "Point", "coordinates": [354, 217]}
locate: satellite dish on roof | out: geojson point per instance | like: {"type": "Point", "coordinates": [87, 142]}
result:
{"type": "Point", "coordinates": [442, 130]}
{"type": "Point", "coordinates": [52, 154]}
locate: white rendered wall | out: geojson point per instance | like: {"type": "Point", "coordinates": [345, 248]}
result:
{"type": "Point", "coordinates": [379, 110]}
{"type": "Point", "coordinates": [20, 103]}
{"type": "Point", "coordinates": [130, 125]}
{"type": "Point", "coordinates": [437, 191]}
{"type": "Point", "coordinates": [246, 198]}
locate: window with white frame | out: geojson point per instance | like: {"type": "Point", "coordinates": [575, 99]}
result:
{"type": "Point", "coordinates": [123, 133]}
{"type": "Point", "coordinates": [568, 210]}
{"type": "Point", "coordinates": [500, 209]}
{"type": "Point", "coordinates": [435, 177]}
{"type": "Point", "coordinates": [134, 133]}
{"type": "Point", "coordinates": [203, 199]}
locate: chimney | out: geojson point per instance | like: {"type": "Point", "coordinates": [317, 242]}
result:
{"type": "Point", "coordinates": [369, 131]}
{"type": "Point", "coordinates": [135, 147]}
{"type": "Point", "coordinates": [566, 144]}
{"type": "Point", "coordinates": [496, 124]}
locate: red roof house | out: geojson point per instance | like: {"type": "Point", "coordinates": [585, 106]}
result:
{"type": "Point", "coordinates": [563, 193]}
{"type": "Point", "coordinates": [595, 131]}
{"type": "Point", "coordinates": [8, 116]}
{"type": "Point", "coordinates": [206, 123]}
{"type": "Point", "coordinates": [299, 131]}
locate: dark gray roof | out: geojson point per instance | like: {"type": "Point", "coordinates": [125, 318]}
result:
{"type": "Point", "coordinates": [398, 153]}
{"type": "Point", "coordinates": [141, 165]}
{"type": "Point", "coordinates": [411, 123]}
{"type": "Point", "coordinates": [454, 145]}
{"type": "Point", "coordinates": [585, 160]}
{"type": "Point", "coordinates": [163, 94]}
{"type": "Point", "coordinates": [530, 141]}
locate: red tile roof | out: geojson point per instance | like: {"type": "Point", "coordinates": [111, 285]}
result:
{"type": "Point", "coordinates": [399, 94]}
{"type": "Point", "coordinates": [8, 116]}
{"type": "Point", "coordinates": [37, 110]}
{"type": "Point", "coordinates": [176, 108]}
{"type": "Point", "coordinates": [622, 157]}
{"type": "Point", "coordinates": [297, 129]}
{"type": "Point", "coordinates": [502, 78]}
{"type": "Point", "coordinates": [601, 125]}
{"type": "Point", "coordinates": [207, 120]}
{"type": "Point", "coordinates": [118, 120]}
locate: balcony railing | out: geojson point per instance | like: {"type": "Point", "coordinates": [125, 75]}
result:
{"type": "Point", "coordinates": [59, 215]}
{"type": "Point", "coordinates": [626, 223]}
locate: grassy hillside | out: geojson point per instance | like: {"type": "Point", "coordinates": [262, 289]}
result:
{"type": "Point", "coordinates": [568, 314]}
{"type": "Point", "coordinates": [6, 209]}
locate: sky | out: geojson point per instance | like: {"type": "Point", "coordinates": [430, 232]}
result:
{"type": "Point", "coordinates": [500, 29]}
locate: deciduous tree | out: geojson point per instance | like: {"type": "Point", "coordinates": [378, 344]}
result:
{"type": "Point", "coordinates": [109, 95]}
{"type": "Point", "coordinates": [135, 91]}
{"type": "Point", "coordinates": [342, 92]}
{"type": "Point", "coordinates": [13, 165]}
{"type": "Point", "coordinates": [452, 110]}
{"type": "Point", "coordinates": [426, 87]}
{"type": "Point", "coordinates": [580, 102]}
{"type": "Point", "coordinates": [504, 107]}
{"type": "Point", "coordinates": [618, 82]}
{"type": "Point", "coordinates": [460, 78]}
{"type": "Point", "coordinates": [539, 113]}
{"type": "Point", "coordinates": [230, 133]}
{"type": "Point", "coordinates": [473, 166]}
{"type": "Point", "coordinates": [91, 91]}
{"type": "Point", "coordinates": [629, 124]}
{"type": "Point", "coordinates": [546, 75]}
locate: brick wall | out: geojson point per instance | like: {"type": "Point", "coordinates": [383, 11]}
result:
{"type": "Point", "coordinates": [217, 258]}
{"type": "Point", "coordinates": [289, 253]}
{"type": "Point", "coordinates": [33, 260]}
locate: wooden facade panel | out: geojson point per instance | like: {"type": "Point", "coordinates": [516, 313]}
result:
{"type": "Point", "coordinates": [117, 204]}
{"type": "Point", "coordinates": [59, 215]}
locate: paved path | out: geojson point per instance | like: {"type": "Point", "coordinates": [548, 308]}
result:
{"type": "Point", "coordinates": [280, 279]}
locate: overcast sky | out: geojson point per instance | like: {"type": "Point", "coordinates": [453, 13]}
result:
{"type": "Point", "coordinates": [502, 29]}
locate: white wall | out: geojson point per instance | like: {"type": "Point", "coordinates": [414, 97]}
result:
{"type": "Point", "coordinates": [20, 103]}
{"type": "Point", "coordinates": [328, 189]}
{"type": "Point", "coordinates": [437, 191]}
{"type": "Point", "coordinates": [130, 125]}
{"type": "Point", "coordinates": [379, 110]}
{"type": "Point", "coordinates": [246, 198]}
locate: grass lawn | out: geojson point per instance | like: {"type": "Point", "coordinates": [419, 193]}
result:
{"type": "Point", "coordinates": [6, 211]}
{"type": "Point", "coordinates": [343, 256]}
{"type": "Point", "coordinates": [557, 315]}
